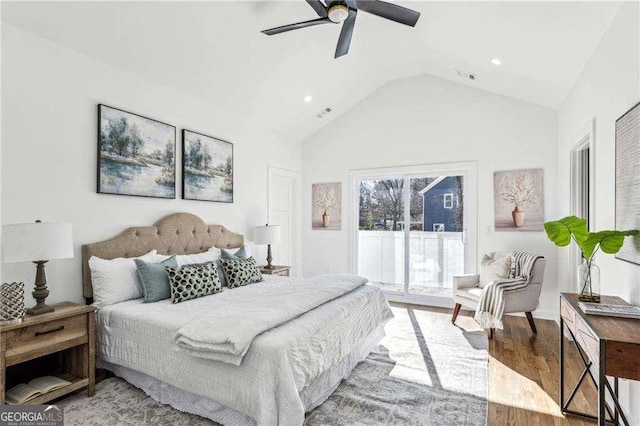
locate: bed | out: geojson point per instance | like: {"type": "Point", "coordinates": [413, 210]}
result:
{"type": "Point", "coordinates": [288, 369]}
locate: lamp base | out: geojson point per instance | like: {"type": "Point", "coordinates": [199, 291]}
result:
{"type": "Point", "coordinates": [41, 292]}
{"type": "Point", "coordinates": [39, 309]}
{"type": "Point", "coordinates": [269, 258]}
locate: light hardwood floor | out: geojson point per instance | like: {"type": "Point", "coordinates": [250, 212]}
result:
{"type": "Point", "coordinates": [523, 372]}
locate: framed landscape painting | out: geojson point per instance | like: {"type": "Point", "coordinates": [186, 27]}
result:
{"type": "Point", "coordinates": [207, 172]}
{"type": "Point", "coordinates": [518, 200]}
{"type": "Point", "coordinates": [136, 155]}
{"type": "Point", "coordinates": [628, 181]}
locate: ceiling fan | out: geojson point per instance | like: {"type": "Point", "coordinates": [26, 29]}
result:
{"type": "Point", "coordinates": [345, 12]}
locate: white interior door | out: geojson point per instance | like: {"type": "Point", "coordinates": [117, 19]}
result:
{"type": "Point", "coordinates": [283, 211]}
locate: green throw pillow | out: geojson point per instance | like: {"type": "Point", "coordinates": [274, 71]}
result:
{"type": "Point", "coordinates": [241, 253]}
{"type": "Point", "coordinates": [154, 279]}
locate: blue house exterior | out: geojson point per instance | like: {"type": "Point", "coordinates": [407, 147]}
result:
{"type": "Point", "coordinates": [441, 206]}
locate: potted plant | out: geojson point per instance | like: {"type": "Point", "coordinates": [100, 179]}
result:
{"type": "Point", "coordinates": [562, 231]}
{"type": "Point", "coordinates": [326, 201]}
{"type": "Point", "coordinates": [519, 191]}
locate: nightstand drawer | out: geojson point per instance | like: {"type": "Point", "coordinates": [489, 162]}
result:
{"type": "Point", "coordinates": [283, 273]}
{"type": "Point", "coordinates": [36, 340]}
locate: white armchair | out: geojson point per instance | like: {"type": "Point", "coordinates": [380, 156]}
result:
{"type": "Point", "coordinates": [467, 291]}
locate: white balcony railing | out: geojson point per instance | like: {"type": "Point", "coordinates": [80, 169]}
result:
{"type": "Point", "coordinates": [435, 257]}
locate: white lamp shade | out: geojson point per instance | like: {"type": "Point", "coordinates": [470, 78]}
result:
{"type": "Point", "coordinates": [28, 242]}
{"type": "Point", "coordinates": [269, 234]}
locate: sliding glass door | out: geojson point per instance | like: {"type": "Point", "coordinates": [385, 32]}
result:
{"type": "Point", "coordinates": [381, 240]}
{"type": "Point", "coordinates": [436, 235]}
{"type": "Point", "coordinates": [413, 231]}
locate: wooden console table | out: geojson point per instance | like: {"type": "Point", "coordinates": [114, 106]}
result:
{"type": "Point", "coordinates": [608, 346]}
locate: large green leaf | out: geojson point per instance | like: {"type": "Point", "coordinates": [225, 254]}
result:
{"type": "Point", "coordinates": [560, 231]}
{"type": "Point", "coordinates": [610, 241]}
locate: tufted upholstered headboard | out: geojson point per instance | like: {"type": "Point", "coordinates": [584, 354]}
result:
{"type": "Point", "coordinates": [179, 233]}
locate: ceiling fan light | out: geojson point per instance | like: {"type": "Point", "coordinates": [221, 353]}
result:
{"type": "Point", "coordinates": [338, 13]}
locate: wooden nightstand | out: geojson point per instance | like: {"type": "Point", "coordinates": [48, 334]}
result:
{"type": "Point", "coordinates": [60, 343]}
{"type": "Point", "coordinates": [283, 271]}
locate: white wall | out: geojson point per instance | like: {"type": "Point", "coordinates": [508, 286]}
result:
{"type": "Point", "coordinates": [426, 120]}
{"type": "Point", "coordinates": [49, 115]}
{"type": "Point", "coordinates": [608, 86]}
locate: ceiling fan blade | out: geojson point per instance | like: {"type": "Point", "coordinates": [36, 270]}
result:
{"type": "Point", "coordinates": [318, 7]}
{"type": "Point", "coordinates": [389, 11]}
{"type": "Point", "coordinates": [290, 27]}
{"type": "Point", "coordinates": [346, 33]}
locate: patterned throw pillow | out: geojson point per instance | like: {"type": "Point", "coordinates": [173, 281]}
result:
{"type": "Point", "coordinates": [241, 272]}
{"type": "Point", "coordinates": [190, 282]}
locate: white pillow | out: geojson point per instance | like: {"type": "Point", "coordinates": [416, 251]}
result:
{"type": "Point", "coordinates": [210, 255]}
{"type": "Point", "coordinates": [492, 269]}
{"type": "Point", "coordinates": [250, 249]}
{"type": "Point", "coordinates": [116, 280]}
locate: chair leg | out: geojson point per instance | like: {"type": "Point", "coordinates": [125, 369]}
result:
{"type": "Point", "coordinates": [456, 311]}
{"type": "Point", "coordinates": [490, 333]}
{"type": "Point", "coordinates": [531, 323]}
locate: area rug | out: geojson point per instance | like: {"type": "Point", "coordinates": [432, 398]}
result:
{"type": "Point", "coordinates": [426, 371]}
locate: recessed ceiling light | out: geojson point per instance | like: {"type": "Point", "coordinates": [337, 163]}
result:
{"type": "Point", "coordinates": [307, 99]}
{"type": "Point", "coordinates": [496, 61]}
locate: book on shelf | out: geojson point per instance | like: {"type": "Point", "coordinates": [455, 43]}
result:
{"type": "Point", "coordinates": [622, 311]}
{"type": "Point", "coordinates": [25, 392]}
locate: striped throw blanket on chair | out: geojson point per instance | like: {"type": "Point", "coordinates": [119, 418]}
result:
{"type": "Point", "coordinates": [491, 307]}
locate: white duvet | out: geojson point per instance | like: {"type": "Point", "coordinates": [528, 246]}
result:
{"type": "Point", "coordinates": [278, 367]}
{"type": "Point", "coordinates": [236, 317]}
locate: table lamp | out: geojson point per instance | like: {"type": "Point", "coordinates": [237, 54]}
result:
{"type": "Point", "coordinates": [268, 234]}
{"type": "Point", "coordinates": [38, 243]}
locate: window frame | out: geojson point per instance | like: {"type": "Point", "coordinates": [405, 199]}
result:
{"type": "Point", "coordinates": [449, 201]}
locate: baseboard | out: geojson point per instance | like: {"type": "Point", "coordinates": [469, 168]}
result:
{"type": "Point", "coordinates": [541, 313]}
{"type": "Point", "coordinates": [436, 302]}
{"type": "Point", "coordinates": [442, 302]}
{"type": "Point", "coordinates": [538, 313]}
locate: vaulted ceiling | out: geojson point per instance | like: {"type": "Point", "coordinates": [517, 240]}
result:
{"type": "Point", "coordinates": [215, 51]}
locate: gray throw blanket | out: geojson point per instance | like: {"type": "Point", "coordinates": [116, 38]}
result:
{"type": "Point", "coordinates": [491, 307]}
